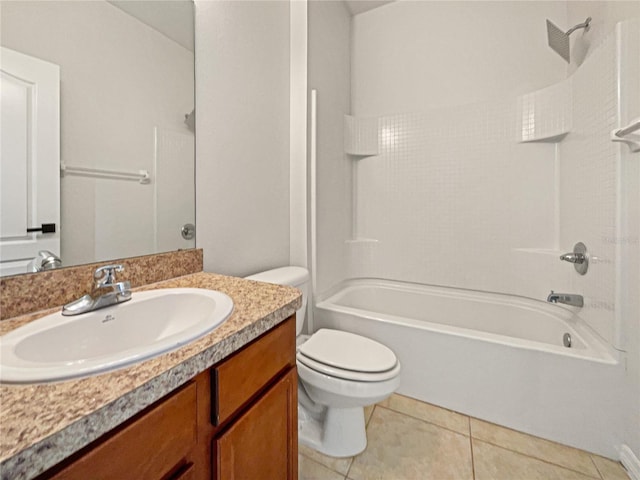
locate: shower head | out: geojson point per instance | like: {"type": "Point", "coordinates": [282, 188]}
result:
{"type": "Point", "coordinates": [559, 39]}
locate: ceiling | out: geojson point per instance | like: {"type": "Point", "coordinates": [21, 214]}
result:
{"type": "Point", "coordinates": [360, 6]}
{"type": "Point", "coordinates": [171, 18]}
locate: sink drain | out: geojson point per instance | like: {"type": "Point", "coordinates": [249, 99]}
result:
{"type": "Point", "coordinates": [566, 340]}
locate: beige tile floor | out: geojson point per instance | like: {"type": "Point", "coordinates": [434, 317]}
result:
{"type": "Point", "coordinates": [408, 439]}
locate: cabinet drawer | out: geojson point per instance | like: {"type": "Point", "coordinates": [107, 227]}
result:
{"type": "Point", "coordinates": [149, 447]}
{"type": "Point", "coordinates": [242, 376]}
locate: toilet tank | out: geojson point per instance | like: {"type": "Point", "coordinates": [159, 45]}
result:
{"type": "Point", "coordinates": [297, 277]}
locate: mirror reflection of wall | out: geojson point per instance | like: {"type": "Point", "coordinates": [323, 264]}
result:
{"type": "Point", "coordinates": [125, 89]}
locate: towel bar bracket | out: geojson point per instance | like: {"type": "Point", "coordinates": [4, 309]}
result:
{"type": "Point", "coordinates": [628, 135]}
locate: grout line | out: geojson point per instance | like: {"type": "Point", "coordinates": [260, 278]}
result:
{"type": "Point", "coordinates": [432, 405]}
{"type": "Point", "coordinates": [423, 420]}
{"type": "Point", "coordinates": [473, 463]}
{"type": "Point", "coordinates": [540, 459]}
{"type": "Point", "coordinates": [370, 416]}
{"type": "Point", "coordinates": [469, 417]}
{"type": "Point", "coordinates": [596, 465]}
{"type": "Point", "coordinates": [599, 477]}
{"type": "Point", "coordinates": [350, 465]}
{"type": "Point", "coordinates": [326, 466]}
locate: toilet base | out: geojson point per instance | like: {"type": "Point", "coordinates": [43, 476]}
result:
{"type": "Point", "coordinates": [339, 432]}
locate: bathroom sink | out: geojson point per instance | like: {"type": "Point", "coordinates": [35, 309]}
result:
{"type": "Point", "coordinates": [58, 347]}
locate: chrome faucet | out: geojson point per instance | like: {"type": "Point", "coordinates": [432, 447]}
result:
{"type": "Point", "coordinates": [566, 298]}
{"type": "Point", "coordinates": [45, 260]}
{"type": "Point", "coordinates": [106, 291]}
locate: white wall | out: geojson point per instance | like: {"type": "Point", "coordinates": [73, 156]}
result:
{"type": "Point", "coordinates": [604, 17]}
{"type": "Point", "coordinates": [329, 74]}
{"type": "Point", "coordinates": [411, 56]}
{"type": "Point", "coordinates": [242, 141]}
{"type": "Point", "coordinates": [119, 80]}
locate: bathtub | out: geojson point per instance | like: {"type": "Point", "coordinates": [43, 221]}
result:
{"type": "Point", "coordinates": [500, 358]}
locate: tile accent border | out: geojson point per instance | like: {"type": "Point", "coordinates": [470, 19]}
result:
{"type": "Point", "coordinates": [22, 294]}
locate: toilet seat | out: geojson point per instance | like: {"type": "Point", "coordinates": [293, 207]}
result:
{"type": "Point", "coordinates": [348, 356]}
{"type": "Point", "coordinates": [348, 374]}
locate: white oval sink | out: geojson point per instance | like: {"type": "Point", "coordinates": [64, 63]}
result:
{"type": "Point", "coordinates": [58, 347]}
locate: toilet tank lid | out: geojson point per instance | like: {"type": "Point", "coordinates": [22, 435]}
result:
{"type": "Point", "coordinates": [292, 276]}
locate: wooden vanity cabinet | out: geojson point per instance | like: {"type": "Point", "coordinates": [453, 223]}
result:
{"type": "Point", "coordinates": [262, 443]}
{"type": "Point", "coordinates": [237, 420]}
{"type": "Point", "coordinates": [156, 444]}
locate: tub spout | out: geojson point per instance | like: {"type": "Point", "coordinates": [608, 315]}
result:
{"type": "Point", "coordinates": [566, 298]}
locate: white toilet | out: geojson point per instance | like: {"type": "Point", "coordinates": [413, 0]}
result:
{"type": "Point", "coordinates": [340, 373]}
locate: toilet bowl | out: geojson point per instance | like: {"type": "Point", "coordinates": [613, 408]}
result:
{"type": "Point", "coordinates": [339, 374]}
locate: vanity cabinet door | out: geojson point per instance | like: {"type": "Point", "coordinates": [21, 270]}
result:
{"type": "Point", "coordinates": [262, 443]}
{"type": "Point", "coordinates": [188, 472]}
{"type": "Point", "coordinates": [151, 446]}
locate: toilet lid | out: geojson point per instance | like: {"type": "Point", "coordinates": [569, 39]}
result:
{"type": "Point", "coordinates": [347, 351]}
{"type": "Point", "coordinates": [347, 374]}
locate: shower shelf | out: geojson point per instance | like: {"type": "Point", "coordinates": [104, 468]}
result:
{"type": "Point", "coordinates": [141, 175]}
{"type": "Point", "coordinates": [628, 135]}
{"type": "Point", "coordinates": [360, 136]}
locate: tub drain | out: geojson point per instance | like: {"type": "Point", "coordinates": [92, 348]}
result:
{"type": "Point", "coordinates": [566, 340]}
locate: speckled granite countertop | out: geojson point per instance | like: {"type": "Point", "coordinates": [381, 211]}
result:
{"type": "Point", "coordinates": [40, 425]}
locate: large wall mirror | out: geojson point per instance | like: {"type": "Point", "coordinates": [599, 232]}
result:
{"type": "Point", "coordinates": [97, 131]}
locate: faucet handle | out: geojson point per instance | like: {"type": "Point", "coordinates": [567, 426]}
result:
{"type": "Point", "coordinates": [579, 257]}
{"type": "Point", "coordinates": [573, 257]}
{"type": "Point", "coordinates": [107, 275]}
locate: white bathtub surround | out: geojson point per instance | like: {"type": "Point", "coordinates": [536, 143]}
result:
{"type": "Point", "coordinates": [448, 132]}
{"type": "Point", "coordinates": [495, 357]}
{"type": "Point", "coordinates": [452, 198]}
{"type": "Point", "coordinates": [590, 209]}
{"type": "Point", "coordinates": [425, 196]}
{"type": "Point", "coordinates": [546, 114]}
{"type": "Point", "coordinates": [424, 199]}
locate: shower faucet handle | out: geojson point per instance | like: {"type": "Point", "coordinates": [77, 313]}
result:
{"type": "Point", "coordinates": [573, 257]}
{"type": "Point", "coordinates": [579, 257]}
